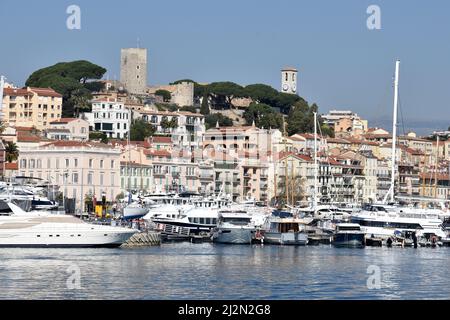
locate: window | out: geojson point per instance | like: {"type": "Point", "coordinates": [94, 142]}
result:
{"type": "Point", "coordinates": [112, 164]}
{"type": "Point", "coordinates": [67, 163]}
{"type": "Point", "coordinates": [75, 163]}
{"type": "Point", "coordinates": [101, 163]}
{"type": "Point", "coordinates": [89, 177]}
{"type": "Point", "coordinates": [101, 178]}
{"type": "Point", "coordinates": [48, 163]}
{"type": "Point", "coordinates": [75, 178]}
{"type": "Point", "coordinates": [91, 163]}
{"type": "Point", "coordinates": [23, 163]}
{"type": "Point", "coordinates": [112, 179]}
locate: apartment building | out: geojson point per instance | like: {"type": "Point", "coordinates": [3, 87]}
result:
{"type": "Point", "coordinates": [31, 107]}
{"type": "Point", "coordinates": [68, 129]}
{"type": "Point", "coordinates": [80, 168]}
{"type": "Point", "coordinates": [186, 129]}
{"type": "Point", "coordinates": [110, 117]}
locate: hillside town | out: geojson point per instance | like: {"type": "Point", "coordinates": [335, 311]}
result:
{"type": "Point", "coordinates": [90, 154]}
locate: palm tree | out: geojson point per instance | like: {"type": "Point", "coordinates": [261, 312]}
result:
{"type": "Point", "coordinates": [12, 153]}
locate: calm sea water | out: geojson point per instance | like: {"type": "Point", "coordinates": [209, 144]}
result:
{"type": "Point", "coordinates": [211, 271]}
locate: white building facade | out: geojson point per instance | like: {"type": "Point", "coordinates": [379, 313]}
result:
{"type": "Point", "coordinates": [110, 117]}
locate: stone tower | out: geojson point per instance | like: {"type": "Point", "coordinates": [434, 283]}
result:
{"type": "Point", "coordinates": [289, 80]}
{"type": "Point", "coordinates": [133, 69]}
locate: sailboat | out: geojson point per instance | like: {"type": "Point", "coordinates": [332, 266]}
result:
{"type": "Point", "coordinates": [134, 209]}
{"type": "Point", "coordinates": [388, 218]}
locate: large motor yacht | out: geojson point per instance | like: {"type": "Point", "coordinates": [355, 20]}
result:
{"type": "Point", "coordinates": [44, 229]}
{"type": "Point", "coordinates": [234, 227]}
{"type": "Point", "coordinates": [383, 220]}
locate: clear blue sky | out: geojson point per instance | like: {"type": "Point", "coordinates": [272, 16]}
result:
{"type": "Point", "coordinates": [341, 63]}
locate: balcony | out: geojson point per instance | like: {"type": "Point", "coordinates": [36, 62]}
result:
{"type": "Point", "coordinates": [264, 176]}
{"type": "Point", "coordinates": [159, 174]}
{"type": "Point", "coordinates": [207, 177]}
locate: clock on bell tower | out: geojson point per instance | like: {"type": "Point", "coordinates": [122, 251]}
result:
{"type": "Point", "coordinates": [289, 80]}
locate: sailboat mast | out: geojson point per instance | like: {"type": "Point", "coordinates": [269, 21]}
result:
{"type": "Point", "coordinates": [315, 163]}
{"type": "Point", "coordinates": [394, 131]}
{"type": "Point", "coordinates": [128, 162]}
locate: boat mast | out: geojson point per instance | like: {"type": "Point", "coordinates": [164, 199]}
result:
{"type": "Point", "coordinates": [436, 168]}
{"type": "Point", "coordinates": [130, 197]}
{"type": "Point", "coordinates": [2, 83]}
{"type": "Point", "coordinates": [394, 132]}
{"type": "Point", "coordinates": [315, 164]}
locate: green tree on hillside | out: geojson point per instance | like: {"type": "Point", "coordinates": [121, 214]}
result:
{"type": "Point", "coordinates": [97, 135]}
{"type": "Point", "coordinates": [264, 116]}
{"type": "Point", "coordinates": [222, 93]}
{"type": "Point", "coordinates": [212, 119]}
{"type": "Point", "coordinates": [140, 130]}
{"type": "Point", "coordinates": [204, 109]}
{"type": "Point", "coordinates": [166, 95]}
{"type": "Point", "coordinates": [72, 80]}
{"type": "Point", "coordinates": [301, 118]}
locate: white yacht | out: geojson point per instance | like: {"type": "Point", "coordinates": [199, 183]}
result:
{"type": "Point", "coordinates": [135, 210]}
{"type": "Point", "coordinates": [285, 231]}
{"type": "Point", "coordinates": [234, 227]}
{"type": "Point", "coordinates": [44, 229]}
{"type": "Point", "coordinates": [383, 220]}
{"type": "Point", "coordinates": [21, 193]}
{"type": "Point", "coordinates": [196, 219]}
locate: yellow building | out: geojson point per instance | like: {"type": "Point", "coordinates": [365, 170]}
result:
{"type": "Point", "coordinates": [31, 107]}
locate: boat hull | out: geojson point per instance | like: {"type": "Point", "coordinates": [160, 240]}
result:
{"type": "Point", "coordinates": [134, 212]}
{"type": "Point", "coordinates": [286, 238]}
{"type": "Point", "coordinates": [234, 236]}
{"type": "Point", "coordinates": [349, 240]}
{"type": "Point", "coordinates": [64, 238]}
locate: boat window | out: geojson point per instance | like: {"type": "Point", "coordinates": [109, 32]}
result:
{"type": "Point", "coordinates": [202, 220]}
{"type": "Point", "coordinates": [349, 228]}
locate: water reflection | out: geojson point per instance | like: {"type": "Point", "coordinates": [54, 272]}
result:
{"type": "Point", "coordinates": [207, 271]}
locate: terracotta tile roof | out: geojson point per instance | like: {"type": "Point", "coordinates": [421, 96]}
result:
{"type": "Point", "coordinates": [134, 164]}
{"type": "Point", "coordinates": [157, 153]}
{"type": "Point", "coordinates": [161, 139]}
{"type": "Point", "coordinates": [73, 143]}
{"type": "Point", "coordinates": [337, 140]}
{"type": "Point", "coordinates": [46, 92]}
{"type": "Point", "coordinates": [123, 143]}
{"type": "Point", "coordinates": [284, 154]}
{"type": "Point", "coordinates": [58, 130]}
{"type": "Point", "coordinates": [16, 92]}
{"type": "Point", "coordinates": [11, 165]}
{"type": "Point", "coordinates": [26, 137]}
{"type": "Point", "coordinates": [24, 129]}
{"type": "Point", "coordinates": [63, 120]}
{"type": "Point", "coordinates": [307, 136]}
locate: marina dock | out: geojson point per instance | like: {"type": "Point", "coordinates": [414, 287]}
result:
{"type": "Point", "coordinates": [143, 239]}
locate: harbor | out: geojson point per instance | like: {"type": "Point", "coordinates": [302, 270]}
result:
{"type": "Point", "coordinates": [184, 270]}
